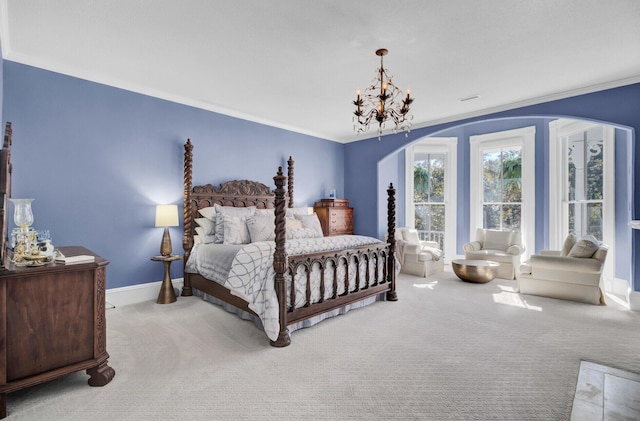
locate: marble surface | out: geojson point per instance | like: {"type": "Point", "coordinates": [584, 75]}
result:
{"type": "Point", "coordinates": [606, 393]}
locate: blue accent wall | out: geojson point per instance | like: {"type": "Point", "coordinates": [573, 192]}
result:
{"type": "Point", "coordinates": [97, 160]}
{"type": "Point", "coordinates": [618, 106]}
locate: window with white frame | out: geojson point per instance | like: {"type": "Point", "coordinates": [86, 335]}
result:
{"type": "Point", "coordinates": [502, 183]}
{"type": "Point", "coordinates": [581, 159]}
{"type": "Point", "coordinates": [430, 181]}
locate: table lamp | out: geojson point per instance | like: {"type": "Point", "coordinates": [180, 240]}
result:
{"type": "Point", "coordinates": [166, 216]}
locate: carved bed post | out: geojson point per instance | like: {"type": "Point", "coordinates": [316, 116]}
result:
{"type": "Point", "coordinates": [187, 239]}
{"type": "Point", "coordinates": [280, 260]}
{"type": "Point", "coordinates": [290, 181]}
{"type": "Point", "coordinates": [391, 239]}
{"type": "Point", "coordinates": [5, 193]}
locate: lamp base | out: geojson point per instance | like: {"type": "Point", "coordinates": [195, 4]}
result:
{"type": "Point", "coordinates": [165, 246]}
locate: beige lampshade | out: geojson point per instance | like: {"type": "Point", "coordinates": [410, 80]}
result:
{"type": "Point", "coordinates": [167, 216]}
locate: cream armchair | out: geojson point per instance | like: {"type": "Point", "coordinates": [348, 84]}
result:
{"type": "Point", "coordinates": [503, 247]}
{"type": "Point", "coordinates": [573, 273]}
{"type": "Point", "coordinates": [417, 257]}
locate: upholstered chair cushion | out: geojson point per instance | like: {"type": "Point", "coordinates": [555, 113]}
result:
{"type": "Point", "coordinates": [496, 240]}
{"type": "Point", "coordinates": [411, 236]}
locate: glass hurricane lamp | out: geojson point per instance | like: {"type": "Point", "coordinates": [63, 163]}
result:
{"type": "Point", "coordinates": [22, 214]}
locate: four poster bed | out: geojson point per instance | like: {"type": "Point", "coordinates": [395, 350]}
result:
{"type": "Point", "coordinates": [249, 249]}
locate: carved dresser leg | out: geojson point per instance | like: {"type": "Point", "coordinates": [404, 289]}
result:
{"type": "Point", "coordinates": [3, 405]}
{"type": "Point", "coordinates": [101, 374]}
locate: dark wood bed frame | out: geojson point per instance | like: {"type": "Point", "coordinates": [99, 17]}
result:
{"type": "Point", "coordinates": [240, 193]}
{"type": "Point", "coordinates": [5, 192]}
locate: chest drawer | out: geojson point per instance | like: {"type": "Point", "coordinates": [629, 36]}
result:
{"type": "Point", "coordinates": [335, 220]}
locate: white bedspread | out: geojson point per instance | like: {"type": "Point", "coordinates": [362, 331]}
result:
{"type": "Point", "coordinates": [250, 274]}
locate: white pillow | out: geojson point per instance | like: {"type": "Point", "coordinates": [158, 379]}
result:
{"type": "Point", "coordinates": [569, 242]}
{"type": "Point", "coordinates": [261, 227]}
{"type": "Point", "coordinates": [302, 210]}
{"type": "Point", "coordinates": [209, 213]}
{"type": "Point", "coordinates": [292, 224]}
{"type": "Point", "coordinates": [208, 226]}
{"type": "Point", "coordinates": [203, 237]}
{"type": "Point", "coordinates": [269, 212]}
{"type": "Point", "coordinates": [586, 247]}
{"type": "Point", "coordinates": [311, 222]}
{"type": "Point", "coordinates": [235, 230]}
{"type": "Point", "coordinates": [232, 211]}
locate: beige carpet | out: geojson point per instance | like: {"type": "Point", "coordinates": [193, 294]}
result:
{"type": "Point", "coordinates": [447, 350]}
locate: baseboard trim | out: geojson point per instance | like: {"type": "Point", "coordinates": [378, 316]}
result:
{"type": "Point", "coordinates": [118, 297]}
{"type": "Point", "coordinates": [634, 300]}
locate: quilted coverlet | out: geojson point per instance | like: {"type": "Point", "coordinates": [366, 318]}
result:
{"type": "Point", "coordinates": [251, 274]}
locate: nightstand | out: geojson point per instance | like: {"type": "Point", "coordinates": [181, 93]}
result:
{"type": "Point", "coordinates": [167, 294]}
{"type": "Point", "coordinates": [335, 216]}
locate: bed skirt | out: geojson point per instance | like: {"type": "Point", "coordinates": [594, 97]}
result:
{"type": "Point", "coordinates": [293, 327]}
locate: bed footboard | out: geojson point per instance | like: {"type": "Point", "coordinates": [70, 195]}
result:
{"type": "Point", "coordinates": [374, 272]}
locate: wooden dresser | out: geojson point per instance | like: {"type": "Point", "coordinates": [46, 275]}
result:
{"type": "Point", "coordinates": [52, 323]}
{"type": "Point", "coordinates": [335, 215]}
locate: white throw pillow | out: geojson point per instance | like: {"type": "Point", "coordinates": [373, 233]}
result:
{"type": "Point", "coordinates": [586, 247]}
{"type": "Point", "coordinates": [261, 228]}
{"type": "Point", "coordinates": [204, 238]}
{"type": "Point", "coordinates": [291, 212]}
{"type": "Point", "coordinates": [311, 222]}
{"type": "Point", "coordinates": [269, 212]}
{"type": "Point", "coordinates": [232, 211]}
{"type": "Point", "coordinates": [235, 230]}
{"type": "Point", "coordinates": [569, 242]}
{"type": "Point", "coordinates": [292, 224]}
{"type": "Point", "coordinates": [209, 213]}
{"type": "Point", "coordinates": [207, 225]}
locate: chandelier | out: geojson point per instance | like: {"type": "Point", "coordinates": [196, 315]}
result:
{"type": "Point", "coordinates": [380, 103]}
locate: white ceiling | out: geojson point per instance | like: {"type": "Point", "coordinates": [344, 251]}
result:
{"type": "Point", "coordinates": [296, 64]}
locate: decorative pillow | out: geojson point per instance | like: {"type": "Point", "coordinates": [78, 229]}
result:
{"type": "Point", "coordinates": [292, 224]}
{"type": "Point", "coordinates": [310, 221]}
{"type": "Point", "coordinates": [299, 233]}
{"type": "Point", "coordinates": [208, 226]}
{"type": "Point", "coordinates": [209, 213]}
{"type": "Point", "coordinates": [261, 228]}
{"type": "Point", "coordinates": [586, 247]}
{"type": "Point", "coordinates": [569, 242]}
{"type": "Point", "coordinates": [262, 212]}
{"type": "Point", "coordinates": [235, 230]}
{"type": "Point", "coordinates": [496, 240]}
{"type": "Point", "coordinates": [204, 237]}
{"type": "Point", "coordinates": [302, 210]}
{"type": "Point", "coordinates": [232, 211]}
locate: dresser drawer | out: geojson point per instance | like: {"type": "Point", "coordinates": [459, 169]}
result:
{"type": "Point", "coordinates": [336, 220]}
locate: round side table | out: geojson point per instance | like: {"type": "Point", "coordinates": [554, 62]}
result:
{"type": "Point", "coordinates": [167, 294]}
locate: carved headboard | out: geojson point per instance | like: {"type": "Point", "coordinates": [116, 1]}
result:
{"type": "Point", "coordinates": [5, 192]}
{"type": "Point", "coordinates": [237, 193]}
